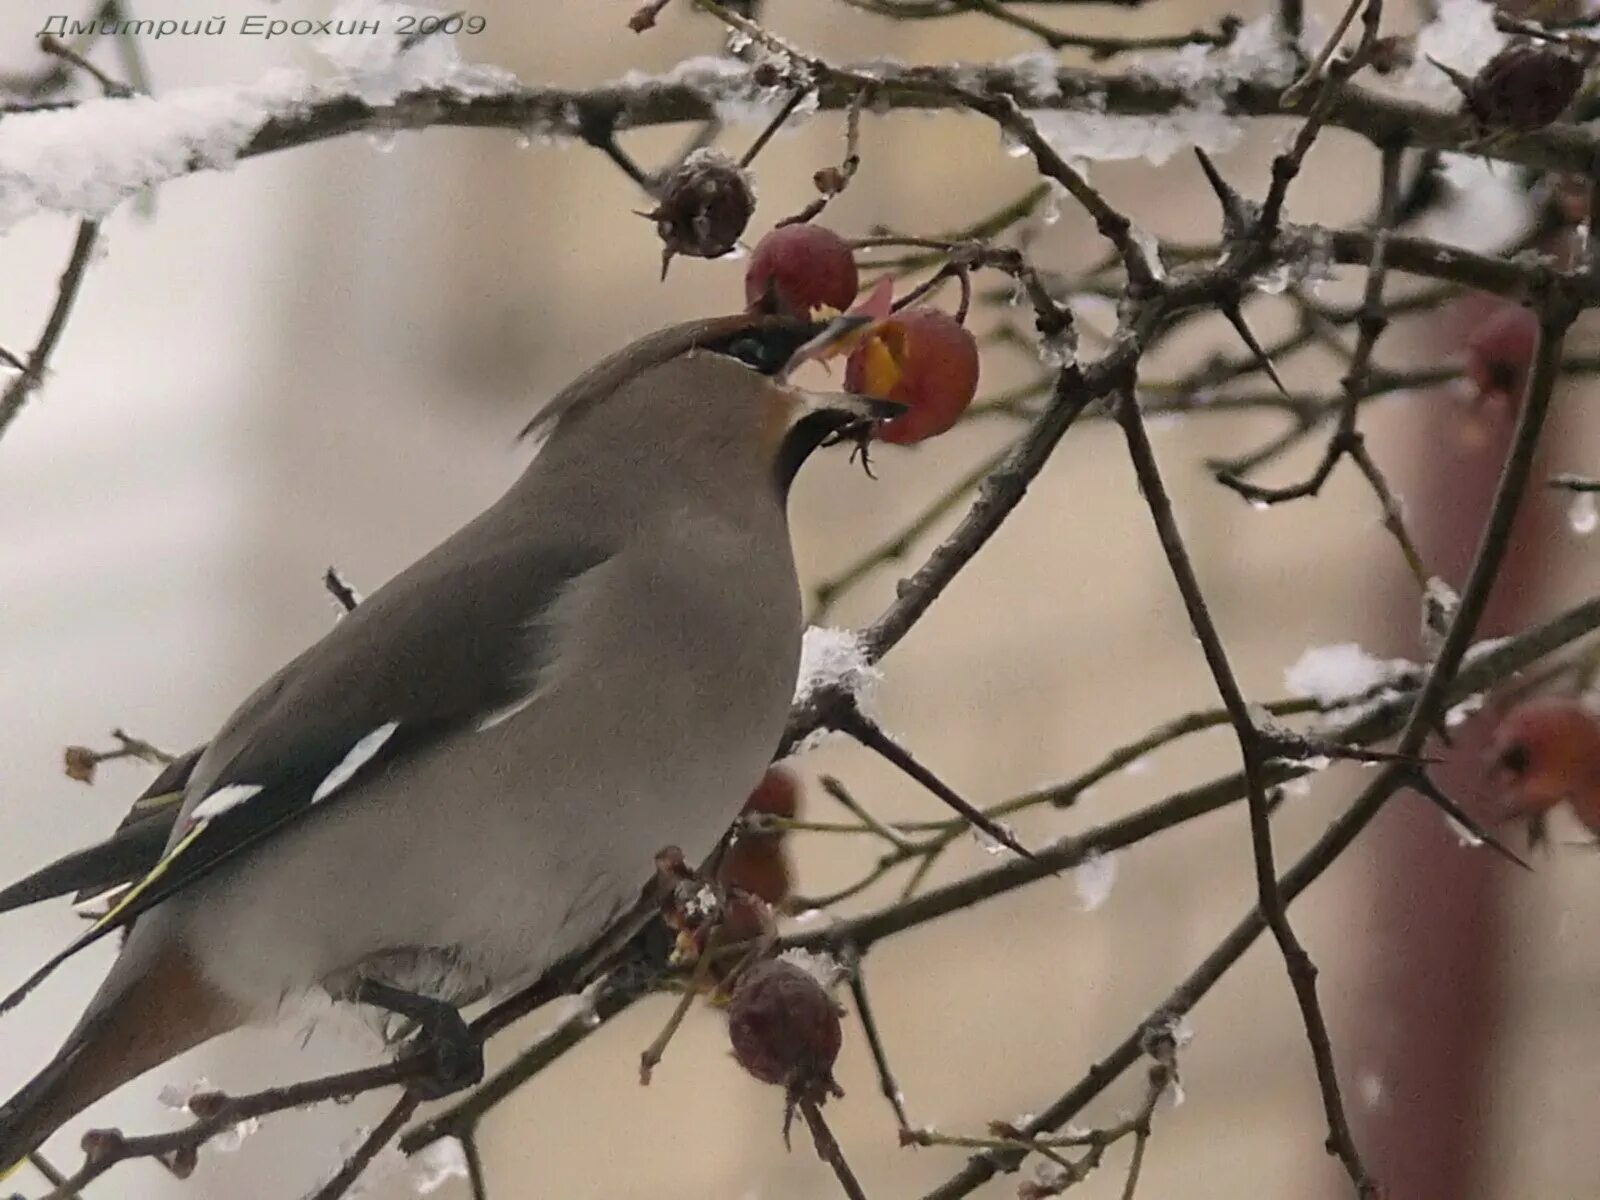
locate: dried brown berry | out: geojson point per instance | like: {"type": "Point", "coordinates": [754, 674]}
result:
{"type": "Point", "coordinates": [703, 207]}
{"type": "Point", "coordinates": [1525, 86]}
{"type": "Point", "coordinates": [785, 1029]}
{"type": "Point", "coordinates": [79, 763]}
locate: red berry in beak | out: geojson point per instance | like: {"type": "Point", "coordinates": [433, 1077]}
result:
{"type": "Point", "coordinates": [922, 358]}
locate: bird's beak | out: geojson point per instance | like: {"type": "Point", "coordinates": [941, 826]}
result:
{"type": "Point", "coordinates": [840, 336]}
{"type": "Point", "coordinates": [846, 331]}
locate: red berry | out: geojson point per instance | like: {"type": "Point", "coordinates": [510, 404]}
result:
{"type": "Point", "coordinates": [797, 268]}
{"type": "Point", "coordinates": [1546, 751]}
{"type": "Point", "coordinates": [758, 863]}
{"type": "Point", "coordinates": [778, 793]}
{"type": "Point", "coordinates": [785, 1028]}
{"type": "Point", "coordinates": [1500, 354]}
{"type": "Point", "coordinates": [922, 358]}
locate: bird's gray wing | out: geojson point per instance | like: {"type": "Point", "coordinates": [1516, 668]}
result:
{"type": "Point", "coordinates": [457, 640]}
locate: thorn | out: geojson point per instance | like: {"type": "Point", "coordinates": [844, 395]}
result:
{"type": "Point", "coordinates": [1425, 786]}
{"type": "Point", "coordinates": [1363, 754]}
{"type": "Point", "coordinates": [1233, 214]}
{"type": "Point", "coordinates": [869, 735]}
{"type": "Point", "coordinates": [1236, 319]}
{"type": "Point", "coordinates": [1297, 748]}
{"type": "Point", "coordinates": [1463, 82]}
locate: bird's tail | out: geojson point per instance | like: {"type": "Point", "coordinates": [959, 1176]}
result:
{"type": "Point", "coordinates": [131, 1026]}
{"type": "Point", "coordinates": [125, 857]}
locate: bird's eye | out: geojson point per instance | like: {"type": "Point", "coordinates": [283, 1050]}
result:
{"type": "Point", "coordinates": [753, 352]}
{"type": "Point", "coordinates": [1515, 759]}
{"type": "Point", "coordinates": [767, 348]}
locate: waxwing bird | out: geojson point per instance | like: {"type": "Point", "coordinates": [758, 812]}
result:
{"type": "Point", "coordinates": [468, 777]}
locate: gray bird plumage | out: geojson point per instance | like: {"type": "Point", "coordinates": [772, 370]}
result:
{"type": "Point", "coordinates": [468, 777]}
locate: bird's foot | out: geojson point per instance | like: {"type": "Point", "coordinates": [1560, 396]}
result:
{"type": "Point", "coordinates": [454, 1054]}
{"type": "Point", "coordinates": [457, 1056]}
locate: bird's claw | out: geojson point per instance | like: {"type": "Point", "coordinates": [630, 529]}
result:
{"type": "Point", "coordinates": [454, 1055]}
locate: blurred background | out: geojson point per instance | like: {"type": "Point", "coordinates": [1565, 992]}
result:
{"type": "Point", "coordinates": [323, 358]}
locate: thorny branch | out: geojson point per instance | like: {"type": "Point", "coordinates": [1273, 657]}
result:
{"type": "Point", "coordinates": [1158, 289]}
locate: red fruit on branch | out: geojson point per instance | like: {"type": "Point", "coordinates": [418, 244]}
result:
{"type": "Point", "coordinates": [1500, 355]}
{"type": "Point", "coordinates": [922, 358]}
{"type": "Point", "coordinates": [797, 268]}
{"type": "Point", "coordinates": [1546, 752]}
{"type": "Point", "coordinates": [784, 1027]}
{"type": "Point", "coordinates": [758, 862]}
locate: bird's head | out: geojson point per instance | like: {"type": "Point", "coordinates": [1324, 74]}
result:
{"type": "Point", "coordinates": [715, 395]}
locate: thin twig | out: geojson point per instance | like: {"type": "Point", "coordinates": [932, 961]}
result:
{"type": "Point", "coordinates": [880, 1058]}
{"type": "Point", "coordinates": [20, 388]}
{"type": "Point", "coordinates": [1302, 971]}
{"type": "Point", "coordinates": [384, 1132]}
{"type": "Point", "coordinates": [828, 1148]}
{"type": "Point", "coordinates": [866, 731]}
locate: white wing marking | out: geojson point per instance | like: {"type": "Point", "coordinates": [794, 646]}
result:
{"type": "Point", "coordinates": [360, 754]}
{"type": "Point", "coordinates": [221, 800]}
{"type": "Point", "coordinates": [500, 715]}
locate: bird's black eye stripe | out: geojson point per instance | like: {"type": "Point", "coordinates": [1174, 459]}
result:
{"type": "Point", "coordinates": [767, 348]}
{"type": "Point", "coordinates": [1515, 759]}
{"type": "Point", "coordinates": [753, 353]}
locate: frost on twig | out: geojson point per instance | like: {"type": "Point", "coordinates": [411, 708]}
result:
{"type": "Point", "coordinates": [1206, 76]}
{"type": "Point", "coordinates": [382, 67]}
{"type": "Point", "coordinates": [834, 660]}
{"type": "Point", "coordinates": [86, 159]}
{"type": "Point", "coordinates": [1337, 674]}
